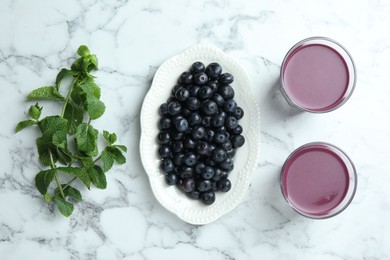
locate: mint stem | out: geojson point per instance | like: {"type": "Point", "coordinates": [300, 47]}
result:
{"type": "Point", "coordinates": [53, 166]}
{"type": "Point", "coordinates": [68, 96]}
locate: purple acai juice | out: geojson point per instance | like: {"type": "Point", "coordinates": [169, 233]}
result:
{"type": "Point", "coordinates": [318, 180]}
{"type": "Point", "coordinates": [317, 75]}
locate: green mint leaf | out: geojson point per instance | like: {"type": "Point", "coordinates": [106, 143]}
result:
{"type": "Point", "coordinates": [44, 148]}
{"type": "Point", "coordinates": [64, 73]}
{"type": "Point", "coordinates": [73, 193]}
{"type": "Point", "coordinates": [45, 93]}
{"type": "Point", "coordinates": [50, 125]}
{"type": "Point", "coordinates": [83, 51]}
{"type": "Point", "coordinates": [35, 111]}
{"type": "Point", "coordinates": [65, 207]}
{"type": "Point", "coordinates": [93, 63]}
{"type": "Point", "coordinates": [122, 147]}
{"type": "Point", "coordinates": [89, 87]}
{"type": "Point", "coordinates": [107, 160]}
{"type": "Point", "coordinates": [94, 106]}
{"type": "Point", "coordinates": [43, 180]}
{"type": "Point", "coordinates": [110, 138]}
{"type": "Point", "coordinates": [86, 138]}
{"type": "Point", "coordinates": [48, 198]}
{"type": "Point", "coordinates": [60, 140]}
{"type": "Point", "coordinates": [87, 162]}
{"type": "Point", "coordinates": [78, 172]}
{"type": "Point", "coordinates": [98, 178]}
{"type": "Point", "coordinates": [117, 155]}
{"type": "Point", "coordinates": [23, 124]}
{"type": "Point", "coordinates": [64, 155]}
{"type": "Point", "coordinates": [75, 116]}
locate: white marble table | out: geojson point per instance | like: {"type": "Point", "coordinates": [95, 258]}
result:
{"type": "Point", "coordinates": [131, 39]}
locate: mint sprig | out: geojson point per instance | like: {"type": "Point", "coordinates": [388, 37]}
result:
{"type": "Point", "coordinates": [81, 159]}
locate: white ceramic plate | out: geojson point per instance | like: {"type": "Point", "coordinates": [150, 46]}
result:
{"type": "Point", "coordinates": [245, 160]}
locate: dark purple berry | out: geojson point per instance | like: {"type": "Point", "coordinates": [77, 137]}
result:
{"type": "Point", "coordinates": [202, 148]}
{"type": "Point", "coordinates": [238, 113]}
{"type": "Point", "coordinates": [224, 185]}
{"type": "Point", "coordinates": [208, 197]}
{"type": "Point", "coordinates": [203, 185]}
{"type": "Point", "coordinates": [226, 91]}
{"type": "Point", "coordinates": [218, 120]}
{"type": "Point", "coordinates": [163, 137]}
{"type": "Point", "coordinates": [163, 109]}
{"type": "Point", "coordinates": [226, 78]}
{"type": "Point", "coordinates": [182, 94]}
{"type": "Point", "coordinates": [186, 78]}
{"type": "Point", "coordinates": [167, 165]}
{"type": "Point", "coordinates": [205, 92]}
{"type": "Point", "coordinates": [231, 122]}
{"type": "Point", "coordinates": [200, 78]}
{"type": "Point", "coordinates": [213, 70]}
{"type": "Point", "coordinates": [165, 151]}
{"type": "Point", "coordinates": [207, 172]}
{"type": "Point", "coordinates": [218, 155]}
{"type": "Point", "coordinates": [190, 159]}
{"type": "Point", "coordinates": [192, 103]}
{"type": "Point", "coordinates": [209, 108]}
{"type": "Point", "coordinates": [171, 178]}
{"type": "Point", "coordinates": [181, 124]}
{"type": "Point", "coordinates": [230, 106]}
{"type": "Point", "coordinates": [174, 108]}
{"type": "Point", "coordinates": [194, 119]}
{"type": "Point", "coordinates": [197, 67]}
{"type": "Point", "coordinates": [238, 141]}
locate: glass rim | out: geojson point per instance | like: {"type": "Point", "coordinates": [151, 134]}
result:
{"type": "Point", "coordinates": [352, 181]}
{"type": "Point", "coordinates": [346, 56]}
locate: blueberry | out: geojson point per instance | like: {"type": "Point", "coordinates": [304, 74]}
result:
{"type": "Point", "coordinates": [197, 67]}
{"type": "Point", "coordinates": [201, 78]}
{"type": "Point", "coordinates": [219, 174]}
{"type": "Point", "coordinates": [194, 119]}
{"type": "Point", "coordinates": [208, 197]}
{"type": "Point", "coordinates": [218, 155]}
{"type": "Point", "coordinates": [237, 130]}
{"type": "Point", "coordinates": [192, 103]}
{"type": "Point", "coordinates": [178, 159]}
{"type": "Point", "coordinates": [182, 94]}
{"type": "Point", "coordinates": [226, 164]}
{"type": "Point", "coordinates": [238, 113]}
{"type": "Point", "coordinates": [163, 109]}
{"type": "Point", "coordinates": [195, 195]}
{"type": "Point", "coordinates": [176, 135]}
{"type": "Point", "coordinates": [175, 88]}
{"type": "Point", "coordinates": [231, 122]}
{"type": "Point", "coordinates": [167, 165]}
{"type": "Point", "coordinates": [186, 112]}
{"type": "Point", "coordinates": [174, 108]}
{"type": "Point", "coordinates": [227, 145]}
{"type": "Point", "coordinates": [199, 166]}
{"type": "Point", "coordinates": [202, 148]}
{"type": "Point", "coordinates": [164, 151]}
{"type": "Point", "coordinates": [231, 152]}
{"type": "Point", "coordinates": [218, 120]}
{"type": "Point", "coordinates": [181, 124]}
{"type": "Point", "coordinates": [198, 132]}
{"type": "Point", "coordinates": [205, 92]}
{"type": "Point", "coordinates": [164, 137]}
{"type": "Point", "coordinates": [230, 106]}
{"type": "Point", "coordinates": [208, 161]}
{"type": "Point", "coordinates": [206, 121]}
{"type": "Point", "coordinates": [193, 90]}
{"type": "Point", "coordinates": [226, 78]}
{"type": "Point", "coordinates": [226, 91]}
{"type": "Point", "coordinates": [188, 184]}
{"type": "Point", "coordinates": [165, 123]}
{"type": "Point", "coordinates": [238, 141]}
{"type": "Point", "coordinates": [213, 84]}
{"type": "Point", "coordinates": [190, 159]}
{"type": "Point", "coordinates": [177, 146]}
{"type": "Point", "coordinates": [220, 137]}
{"type": "Point", "coordinates": [213, 70]}
{"type": "Point", "coordinates": [171, 178]}
{"type": "Point", "coordinates": [186, 78]}
{"type": "Point", "coordinates": [207, 172]}
{"type": "Point", "coordinates": [185, 172]}
{"type": "Point", "coordinates": [209, 108]}
{"type": "Point", "coordinates": [209, 135]}
{"type": "Point", "coordinates": [189, 143]}
{"type": "Point", "coordinates": [203, 185]}
{"type": "Point", "coordinates": [224, 185]}
{"type": "Point", "coordinates": [217, 98]}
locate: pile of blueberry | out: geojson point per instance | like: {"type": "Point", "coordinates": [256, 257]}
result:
{"type": "Point", "coordinates": [200, 132]}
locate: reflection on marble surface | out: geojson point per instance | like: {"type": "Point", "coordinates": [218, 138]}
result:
{"type": "Point", "coordinates": [131, 39]}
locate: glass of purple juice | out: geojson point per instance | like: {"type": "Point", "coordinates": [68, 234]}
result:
{"type": "Point", "coordinates": [317, 75]}
{"type": "Point", "coordinates": [318, 180]}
